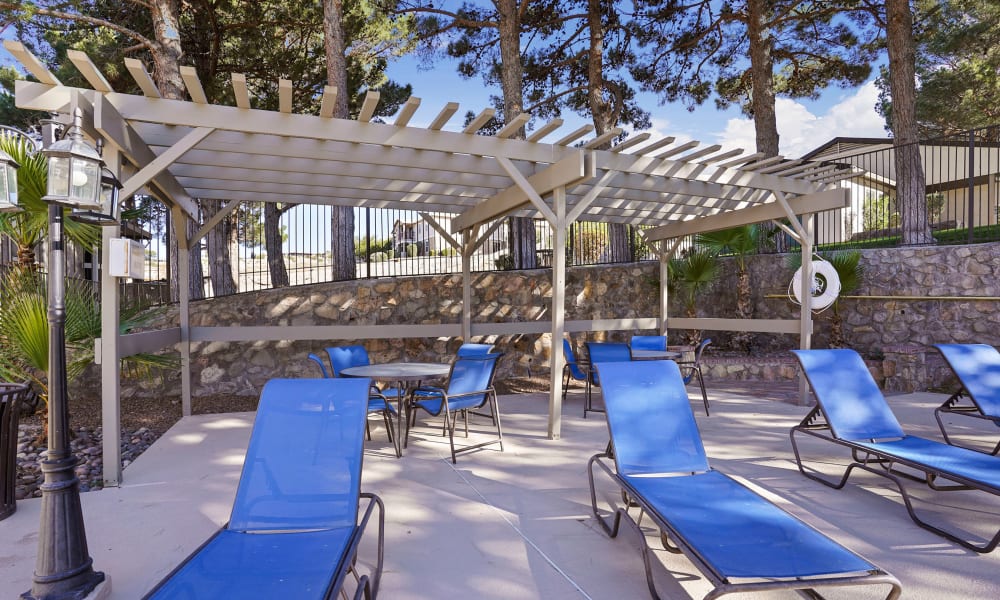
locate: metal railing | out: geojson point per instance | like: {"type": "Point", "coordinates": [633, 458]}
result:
{"type": "Point", "coordinates": [962, 176]}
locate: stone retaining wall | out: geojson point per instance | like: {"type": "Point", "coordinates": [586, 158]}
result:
{"type": "Point", "coordinates": [895, 331]}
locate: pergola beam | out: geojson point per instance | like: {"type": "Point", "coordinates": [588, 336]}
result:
{"type": "Point", "coordinates": [164, 160]}
{"type": "Point", "coordinates": [117, 131]}
{"type": "Point", "coordinates": [571, 170]}
{"type": "Point", "coordinates": [817, 202]}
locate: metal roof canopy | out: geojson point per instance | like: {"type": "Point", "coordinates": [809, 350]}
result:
{"type": "Point", "coordinates": [183, 150]}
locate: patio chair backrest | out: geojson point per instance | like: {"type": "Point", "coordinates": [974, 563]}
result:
{"type": "Point", "coordinates": [606, 352]}
{"type": "Point", "coordinates": [650, 419]}
{"type": "Point", "coordinates": [474, 349]}
{"type": "Point", "coordinates": [472, 374]}
{"type": "Point", "coordinates": [852, 402]}
{"type": "Point", "coordinates": [319, 361]}
{"type": "Point", "coordinates": [978, 368]}
{"type": "Point", "coordinates": [574, 367]}
{"type": "Point", "coordinates": [303, 464]}
{"type": "Point", "coordinates": [344, 357]}
{"type": "Point", "coordinates": [649, 342]}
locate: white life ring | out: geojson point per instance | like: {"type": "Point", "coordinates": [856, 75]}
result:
{"type": "Point", "coordinates": [825, 285]}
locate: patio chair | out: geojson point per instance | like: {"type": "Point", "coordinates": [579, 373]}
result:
{"type": "Point", "coordinates": [573, 369]}
{"type": "Point", "coordinates": [294, 530]}
{"type": "Point", "coordinates": [469, 386]}
{"type": "Point", "coordinates": [852, 412]}
{"type": "Point", "coordinates": [977, 367]}
{"type": "Point", "coordinates": [740, 541]}
{"type": "Point", "coordinates": [648, 342]}
{"type": "Point", "coordinates": [474, 349]}
{"type": "Point", "coordinates": [379, 400]}
{"type": "Point", "coordinates": [692, 369]}
{"type": "Point", "coordinates": [602, 352]}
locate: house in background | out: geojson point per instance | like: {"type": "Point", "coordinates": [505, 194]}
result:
{"type": "Point", "coordinates": [962, 177]}
{"type": "Point", "coordinates": [418, 233]}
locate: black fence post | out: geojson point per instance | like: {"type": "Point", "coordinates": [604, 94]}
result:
{"type": "Point", "coordinates": [971, 180]}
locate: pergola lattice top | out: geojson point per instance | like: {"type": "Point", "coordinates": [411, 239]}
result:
{"type": "Point", "coordinates": [191, 149]}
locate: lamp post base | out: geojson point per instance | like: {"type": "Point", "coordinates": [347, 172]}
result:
{"type": "Point", "coordinates": [102, 591]}
{"type": "Point", "coordinates": [64, 570]}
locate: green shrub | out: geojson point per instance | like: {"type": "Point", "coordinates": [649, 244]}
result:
{"type": "Point", "coordinates": [449, 251]}
{"type": "Point", "coordinates": [378, 257]}
{"type": "Point", "coordinates": [504, 262]}
{"type": "Point", "coordinates": [412, 250]}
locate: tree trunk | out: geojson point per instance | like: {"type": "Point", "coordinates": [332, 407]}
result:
{"type": "Point", "coordinates": [195, 275]}
{"type": "Point", "coordinates": [762, 77]}
{"type": "Point", "coordinates": [520, 230]}
{"type": "Point", "coordinates": [604, 112]}
{"type": "Point", "coordinates": [744, 309]}
{"type": "Point", "coordinates": [167, 76]}
{"type": "Point", "coordinates": [273, 245]}
{"type": "Point", "coordinates": [342, 258]}
{"type": "Point", "coordinates": [765, 119]}
{"type": "Point", "coordinates": [910, 184]}
{"type": "Point", "coordinates": [220, 267]}
{"type": "Point", "coordinates": [342, 217]}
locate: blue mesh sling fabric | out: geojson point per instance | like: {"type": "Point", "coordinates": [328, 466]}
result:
{"type": "Point", "coordinates": [978, 368]}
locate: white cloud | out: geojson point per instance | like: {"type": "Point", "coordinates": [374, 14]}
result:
{"type": "Point", "coordinates": [801, 131]}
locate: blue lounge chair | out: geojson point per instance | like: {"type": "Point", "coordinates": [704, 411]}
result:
{"type": "Point", "coordinates": [977, 367]}
{"type": "Point", "coordinates": [469, 386]}
{"type": "Point", "coordinates": [739, 540]}
{"type": "Point", "coordinates": [294, 530]}
{"type": "Point", "coordinates": [852, 412]}
{"type": "Point", "coordinates": [601, 352]}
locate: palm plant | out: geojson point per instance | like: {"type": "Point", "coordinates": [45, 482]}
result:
{"type": "Point", "coordinates": [28, 227]}
{"type": "Point", "coordinates": [24, 330]}
{"type": "Point", "coordinates": [691, 275]}
{"type": "Point", "coordinates": [739, 242]}
{"type": "Point", "coordinates": [851, 273]}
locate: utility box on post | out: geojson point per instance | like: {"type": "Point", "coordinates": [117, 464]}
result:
{"type": "Point", "coordinates": [127, 258]}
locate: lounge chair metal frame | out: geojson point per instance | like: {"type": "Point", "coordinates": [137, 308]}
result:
{"type": "Point", "coordinates": [692, 369]}
{"type": "Point", "coordinates": [673, 539]}
{"type": "Point", "coordinates": [877, 456]}
{"type": "Point", "coordinates": [975, 409]}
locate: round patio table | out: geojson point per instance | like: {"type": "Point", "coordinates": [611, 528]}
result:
{"type": "Point", "coordinates": [404, 374]}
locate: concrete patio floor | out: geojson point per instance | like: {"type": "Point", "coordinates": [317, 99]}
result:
{"type": "Point", "coordinates": [517, 524]}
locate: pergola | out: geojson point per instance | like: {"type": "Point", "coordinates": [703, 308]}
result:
{"type": "Point", "coordinates": [183, 150]}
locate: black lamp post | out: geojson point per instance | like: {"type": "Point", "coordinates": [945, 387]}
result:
{"type": "Point", "coordinates": [64, 568]}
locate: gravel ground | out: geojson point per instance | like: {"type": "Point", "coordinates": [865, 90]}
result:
{"type": "Point", "coordinates": [143, 422]}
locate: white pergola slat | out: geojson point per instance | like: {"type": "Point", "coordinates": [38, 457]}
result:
{"type": "Point", "coordinates": [188, 150]}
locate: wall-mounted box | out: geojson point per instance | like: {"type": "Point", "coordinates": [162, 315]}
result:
{"type": "Point", "coordinates": [126, 258]}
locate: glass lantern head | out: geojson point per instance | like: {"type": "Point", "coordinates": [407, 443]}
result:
{"type": "Point", "coordinates": [105, 214]}
{"type": "Point", "coordinates": [74, 173]}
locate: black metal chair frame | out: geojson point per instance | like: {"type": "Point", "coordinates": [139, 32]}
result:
{"type": "Point", "coordinates": [451, 417]}
{"type": "Point", "coordinates": [374, 392]}
{"type": "Point", "coordinates": [866, 458]}
{"type": "Point", "coordinates": [693, 369]}
{"type": "Point", "coordinates": [720, 584]}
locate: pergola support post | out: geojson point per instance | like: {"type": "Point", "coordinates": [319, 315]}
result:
{"type": "Point", "coordinates": [556, 359]}
{"type": "Point", "coordinates": [184, 294]}
{"type": "Point", "coordinates": [111, 420]}
{"type": "Point", "coordinates": [468, 247]}
{"type": "Point", "coordinates": [805, 322]}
